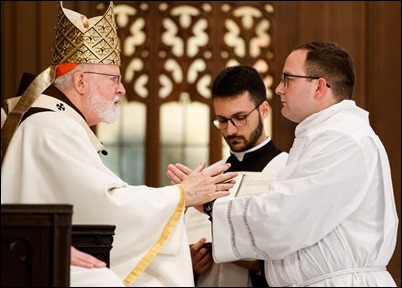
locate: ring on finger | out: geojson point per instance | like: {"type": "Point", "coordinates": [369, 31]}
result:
{"type": "Point", "coordinates": [217, 187]}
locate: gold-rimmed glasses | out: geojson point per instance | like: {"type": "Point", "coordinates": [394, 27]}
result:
{"type": "Point", "coordinates": [117, 78]}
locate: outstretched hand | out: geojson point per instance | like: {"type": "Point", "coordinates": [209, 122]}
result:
{"type": "Point", "coordinates": [178, 172]}
{"type": "Point", "coordinates": [202, 185]}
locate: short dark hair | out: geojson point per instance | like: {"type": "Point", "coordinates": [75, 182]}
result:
{"type": "Point", "coordinates": [332, 62]}
{"type": "Point", "coordinates": [235, 80]}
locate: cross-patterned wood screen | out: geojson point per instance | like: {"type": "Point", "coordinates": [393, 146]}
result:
{"type": "Point", "coordinates": [171, 51]}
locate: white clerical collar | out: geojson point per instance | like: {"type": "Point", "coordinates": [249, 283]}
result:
{"type": "Point", "coordinates": [240, 155]}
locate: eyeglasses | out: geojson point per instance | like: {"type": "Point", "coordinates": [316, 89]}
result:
{"type": "Point", "coordinates": [285, 79]}
{"type": "Point", "coordinates": [116, 78]}
{"type": "Point", "coordinates": [238, 121]}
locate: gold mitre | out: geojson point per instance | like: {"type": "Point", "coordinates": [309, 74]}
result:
{"type": "Point", "coordinates": [83, 40]}
{"type": "Point", "coordinates": [78, 40]}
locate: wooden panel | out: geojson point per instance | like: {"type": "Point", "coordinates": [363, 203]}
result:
{"type": "Point", "coordinates": [35, 245]}
{"type": "Point", "coordinates": [8, 34]}
{"type": "Point", "coordinates": [312, 21]}
{"type": "Point", "coordinates": [348, 24]}
{"type": "Point", "coordinates": [47, 19]}
{"type": "Point", "coordinates": [26, 45]}
{"type": "Point", "coordinates": [285, 34]}
{"type": "Point", "coordinates": [383, 83]}
{"type": "Point", "coordinates": [94, 239]}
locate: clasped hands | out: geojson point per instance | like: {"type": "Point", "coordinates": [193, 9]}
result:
{"type": "Point", "coordinates": [202, 185]}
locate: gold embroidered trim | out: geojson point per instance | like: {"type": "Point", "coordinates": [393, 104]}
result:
{"type": "Point", "coordinates": [154, 250]}
{"type": "Point", "coordinates": [31, 94]}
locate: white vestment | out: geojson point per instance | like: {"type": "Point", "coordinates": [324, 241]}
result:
{"type": "Point", "coordinates": [53, 158]}
{"type": "Point", "coordinates": [329, 219]}
{"type": "Point", "coordinates": [198, 225]}
{"type": "Point", "coordinates": [93, 277]}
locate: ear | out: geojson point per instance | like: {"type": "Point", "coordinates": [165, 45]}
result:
{"type": "Point", "coordinates": [321, 88]}
{"type": "Point", "coordinates": [79, 82]}
{"type": "Point", "coordinates": [265, 109]}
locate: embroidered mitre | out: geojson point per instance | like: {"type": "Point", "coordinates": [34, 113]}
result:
{"type": "Point", "coordinates": [78, 40]}
{"type": "Point", "coordinates": [83, 40]}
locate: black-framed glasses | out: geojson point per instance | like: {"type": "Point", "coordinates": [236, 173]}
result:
{"type": "Point", "coordinates": [117, 78]}
{"type": "Point", "coordinates": [285, 79]}
{"type": "Point", "coordinates": [238, 120]}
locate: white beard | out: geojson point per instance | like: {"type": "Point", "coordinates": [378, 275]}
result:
{"type": "Point", "coordinates": [107, 112]}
